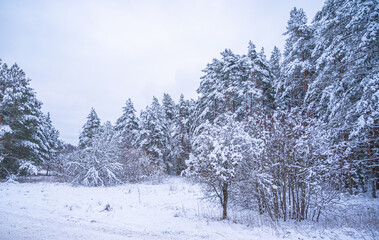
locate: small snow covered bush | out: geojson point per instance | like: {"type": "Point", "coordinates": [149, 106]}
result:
{"type": "Point", "coordinates": [106, 162]}
{"type": "Point", "coordinates": [96, 164]}
{"type": "Point", "coordinates": [27, 168]}
{"type": "Point", "coordinates": [90, 168]}
{"type": "Point", "coordinates": [138, 166]}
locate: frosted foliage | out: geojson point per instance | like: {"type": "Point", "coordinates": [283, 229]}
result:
{"type": "Point", "coordinates": [97, 165]}
{"type": "Point", "coordinates": [127, 125]}
{"type": "Point", "coordinates": [22, 123]}
{"type": "Point", "coordinates": [235, 83]}
{"type": "Point", "coordinates": [154, 137]}
{"type": "Point", "coordinates": [219, 149]}
{"type": "Point", "coordinates": [4, 129]}
{"type": "Point", "coordinates": [90, 128]}
{"type": "Point", "coordinates": [344, 92]}
{"type": "Point", "coordinates": [283, 139]}
{"type": "Point", "coordinates": [28, 168]}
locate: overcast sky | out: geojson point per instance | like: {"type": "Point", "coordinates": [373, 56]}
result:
{"type": "Point", "coordinates": [83, 54]}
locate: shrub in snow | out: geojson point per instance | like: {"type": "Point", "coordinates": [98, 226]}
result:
{"type": "Point", "coordinates": [98, 164]}
{"type": "Point", "coordinates": [12, 178]}
{"type": "Point", "coordinates": [137, 165]}
{"type": "Point", "coordinates": [11, 166]}
{"type": "Point", "coordinates": [107, 162]}
{"type": "Point", "coordinates": [292, 176]}
{"type": "Point", "coordinates": [27, 168]}
{"type": "Point", "coordinates": [86, 167]}
{"type": "Point", "coordinates": [107, 208]}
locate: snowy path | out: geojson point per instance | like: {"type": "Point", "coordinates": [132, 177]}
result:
{"type": "Point", "coordinates": [171, 210]}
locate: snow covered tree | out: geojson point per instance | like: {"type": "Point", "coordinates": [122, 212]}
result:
{"type": "Point", "coordinates": [89, 129]}
{"type": "Point", "coordinates": [345, 87]}
{"type": "Point", "coordinates": [136, 163]}
{"type": "Point", "coordinates": [154, 135]}
{"type": "Point", "coordinates": [210, 98]}
{"type": "Point", "coordinates": [275, 62]}
{"type": "Point", "coordinates": [127, 125]}
{"type": "Point", "coordinates": [170, 113]}
{"type": "Point", "coordinates": [181, 143]}
{"type": "Point", "coordinates": [50, 144]}
{"type": "Point", "coordinates": [237, 84]}
{"type": "Point", "coordinates": [297, 66]}
{"type": "Point", "coordinates": [96, 164]}
{"type": "Point", "coordinates": [168, 107]}
{"type": "Point", "coordinates": [219, 150]}
{"type": "Point", "coordinates": [259, 85]}
{"type": "Point", "coordinates": [275, 67]}
{"type": "Point", "coordinates": [20, 112]}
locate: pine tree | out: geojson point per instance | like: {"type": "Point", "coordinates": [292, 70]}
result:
{"type": "Point", "coordinates": [262, 78]}
{"type": "Point", "coordinates": [275, 67]}
{"type": "Point", "coordinates": [345, 86]}
{"type": "Point", "coordinates": [169, 113]}
{"type": "Point", "coordinates": [49, 142]}
{"type": "Point", "coordinates": [237, 84]}
{"type": "Point", "coordinates": [89, 129]}
{"type": "Point", "coordinates": [20, 112]}
{"type": "Point", "coordinates": [168, 106]}
{"type": "Point", "coordinates": [207, 105]}
{"type": "Point", "coordinates": [275, 62]}
{"type": "Point", "coordinates": [27, 136]}
{"type": "Point", "coordinates": [297, 66]}
{"type": "Point", "coordinates": [180, 142]}
{"type": "Point", "coordinates": [127, 125]}
{"type": "Point", "coordinates": [154, 135]}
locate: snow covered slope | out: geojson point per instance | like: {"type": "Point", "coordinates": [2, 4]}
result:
{"type": "Point", "coordinates": [171, 210]}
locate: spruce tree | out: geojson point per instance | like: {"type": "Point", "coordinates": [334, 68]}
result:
{"type": "Point", "coordinates": [297, 66]}
{"type": "Point", "coordinates": [154, 135]}
{"type": "Point", "coordinates": [181, 135]}
{"type": "Point", "coordinates": [24, 142]}
{"type": "Point", "coordinates": [90, 128]}
{"type": "Point", "coordinates": [275, 67]}
{"type": "Point", "coordinates": [49, 142]}
{"type": "Point", "coordinates": [127, 125]}
{"type": "Point", "coordinates": [168, 106]}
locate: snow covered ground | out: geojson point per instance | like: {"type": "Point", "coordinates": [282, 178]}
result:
{"type": "Point", "coordinates": [173, 209]}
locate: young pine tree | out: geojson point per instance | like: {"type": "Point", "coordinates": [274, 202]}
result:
{"type": "Point", "coordinates": [127, 126]}
{"type": "Point", "coordinates": [89, 130]}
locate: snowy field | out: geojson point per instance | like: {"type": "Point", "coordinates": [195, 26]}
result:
{"type": "Point", "coordinates": [174, 209]}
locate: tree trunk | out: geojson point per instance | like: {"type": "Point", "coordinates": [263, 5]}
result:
{"type": "Point", "coordinates": [215, 113]}
{"type": "Point", "coordinates": [373, 180]}
{"type": "Point", "coordinates": [225, 194]}
{"type": "Point", "coordinates": [1, 120]}
{"type": "Point", "coordinates": [303, 202]}
{"type": "Point", "coordinates": [181, 127]}
{"type": "Point", "coordinates": [2, 93]}
{"type": "Point", "coordinates": [350, 176]}
{"type": "Point", "coordinates": [284, 202]}
{"type": "Point", "coordinates": [251, 95]}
